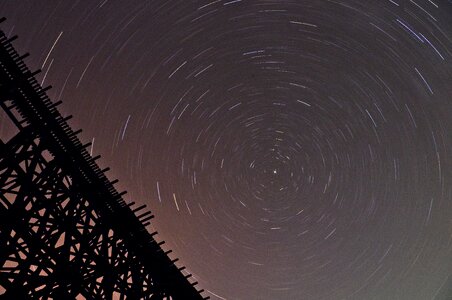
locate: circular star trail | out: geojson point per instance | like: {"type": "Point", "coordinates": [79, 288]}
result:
{"type": "Point", "coordinates": [289, 149]}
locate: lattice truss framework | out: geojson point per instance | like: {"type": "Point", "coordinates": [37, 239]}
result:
{"type": "Point", "coordinates": [54, 243]}
{"type": "Point", "coordinates": [64, 232]}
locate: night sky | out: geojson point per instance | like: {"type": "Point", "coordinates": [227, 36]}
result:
{"type": "Point", "coordinates": [289, 149]}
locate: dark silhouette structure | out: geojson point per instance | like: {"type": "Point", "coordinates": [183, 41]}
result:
{"type": "Point", "coordinates": [65, 232]}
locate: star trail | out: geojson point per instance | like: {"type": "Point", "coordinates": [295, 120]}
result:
{"type": "Point", "coordinates": [289, 149]}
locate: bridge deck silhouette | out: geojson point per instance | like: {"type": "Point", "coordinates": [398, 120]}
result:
{"type": "Point", "coordinates": [65, 231]}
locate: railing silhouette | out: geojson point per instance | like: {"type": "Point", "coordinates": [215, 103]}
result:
{"type": "Point", "coordinates": [65, 232]}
